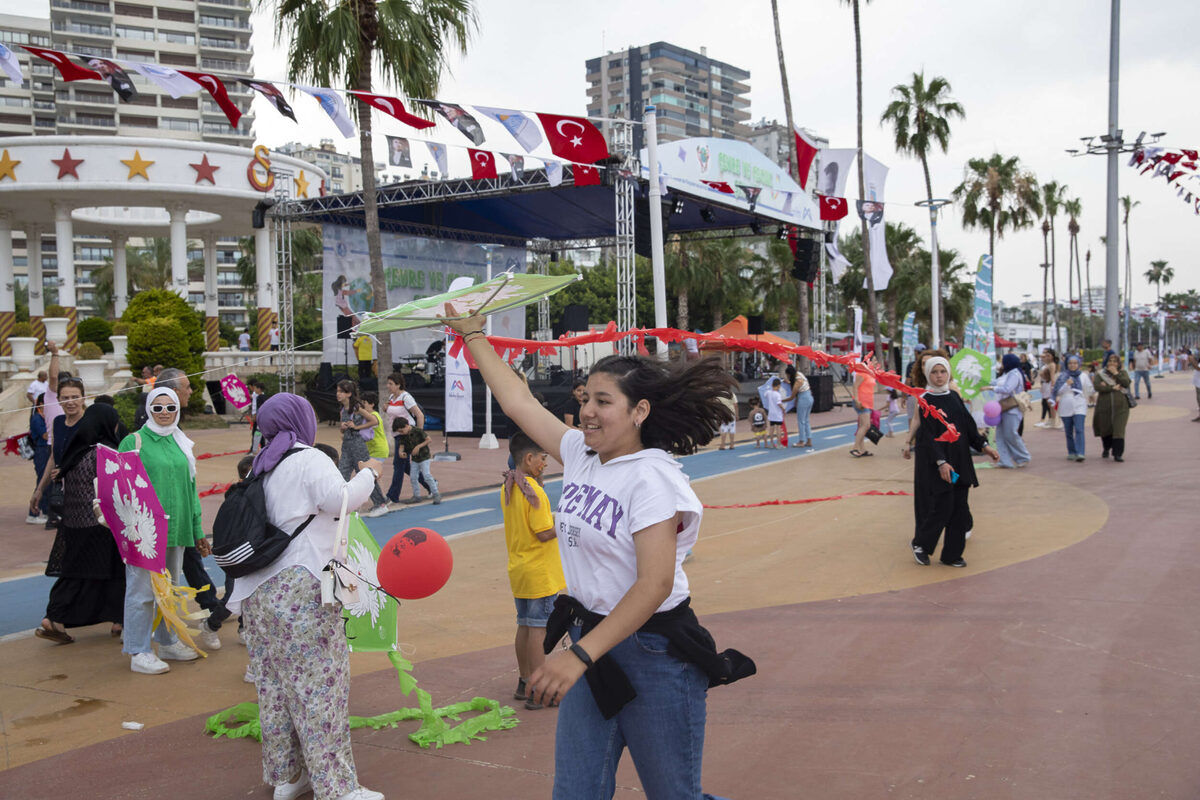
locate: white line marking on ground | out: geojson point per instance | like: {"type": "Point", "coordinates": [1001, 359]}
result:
{"type": "Point", "coordinates": [470, 513]}
{"type": "Point", "coordinates": [753, 454]}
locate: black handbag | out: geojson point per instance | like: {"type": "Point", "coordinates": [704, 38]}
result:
{"type": "Point", "coordinates": [55, 497]}
{"type": "Point", "coordinates": [874, 434]}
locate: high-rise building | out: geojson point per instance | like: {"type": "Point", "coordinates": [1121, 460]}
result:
{"type": "Point", "coordinates": [695, 95]}
{"type": "Point", "coordinates": [344, 171]}
{"type": "Point", "coordinates": [770, 139]}
{"type": "Point", "coordinates": [206, 35]}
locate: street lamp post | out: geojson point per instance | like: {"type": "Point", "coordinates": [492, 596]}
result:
{"type": "Point", "coordinates": [488, 440]}
{"type": "Point", "coordinates": [935, 271]}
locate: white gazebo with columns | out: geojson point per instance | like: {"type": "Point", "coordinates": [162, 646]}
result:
{"type": "Point", "coordinates": [120, 187]}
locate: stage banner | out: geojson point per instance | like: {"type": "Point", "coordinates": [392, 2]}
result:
{"type": "Point", "coordinates": [459, 407]}
{"type": "Point", "coordinates": [908, 344]}
{"type": "Point", "coordinates": [1162, 340]}
{"type": "Point", "coordinates": [979, 329]}
{"type": "Point", "coordinates": [414, 267]}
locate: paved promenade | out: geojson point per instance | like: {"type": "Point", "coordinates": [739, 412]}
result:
{"type": "Point", "coordinates": [1061, 663]}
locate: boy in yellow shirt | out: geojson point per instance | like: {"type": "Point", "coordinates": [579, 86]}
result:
{"type": "Point", "coordinates": [534, 569]}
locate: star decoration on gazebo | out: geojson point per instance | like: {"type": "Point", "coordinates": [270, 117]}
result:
{"type": "Point", "coordinates": [301, 185]}
{"type": "Point", "coordinates": [205, 171]}
{"type": "Point", "coordinates": [137, 165]}
{"type": "Point", "coordinates": [8, 167]}
{"type": "Point", "coordinates": [67, 165]}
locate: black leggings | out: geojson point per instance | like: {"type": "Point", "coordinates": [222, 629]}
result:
{"type": "Point", "coordinates": [1045, 408]}
{"type": "Point", "coordinates": [1117, 446]}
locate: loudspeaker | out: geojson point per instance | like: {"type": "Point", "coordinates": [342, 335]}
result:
{"type": "Point", "coordinates": [822, 389]}
{"type": "Point", "coordinates": [641, 224]}
{"type": "Point", "coordinates": [575, 318]}
{"type": "Point", "coordinates": [807, 263]}
{"type": "Point", "coordinates": [754, 325]}
{"type": "Point", "coordinates": [343, 326]}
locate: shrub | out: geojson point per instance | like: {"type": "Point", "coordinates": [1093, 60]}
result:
{"type": "Point", "coordinates": [24, 329]}
{"type": "Point", "coordinates": [55, 310]}
{"type": "Point", "coordinates": [159, 340]}
{"type": "Point", "coordinates": [120, 329]}
{"type": "Point", "coordinates": [164, 304]}
{"type": "Point", "coordinates": [90, 350]}
{"type": "Point", "coordinates": [96, 329]}
{"type": "Point", "coordinates": [1092, 354]}
{"type": "Point", "coordinates": [268, 379]}
{"type": "Point", "coordinates": [126, 404]}
{"type": "Point", "coordinates": [222, 342]}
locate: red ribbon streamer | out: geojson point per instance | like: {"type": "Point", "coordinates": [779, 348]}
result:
{"type": "Point", "coordinates": [217, 488]}
{"type": "Point", "coordinates": [871, 493]}
{"type": "Point", "coordinates": [203, 456]}
{"type": "Point", "coordinates": [781, 351]}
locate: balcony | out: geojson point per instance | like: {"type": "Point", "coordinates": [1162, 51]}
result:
{"type": "Point", "coordinates": [224, 23]}
{"type": "Point", "coordinates": [88, 122]}
{"type": "Point", "coordinates": [84, 29]}
{"type": "Point", "coordinates": [87, 8]}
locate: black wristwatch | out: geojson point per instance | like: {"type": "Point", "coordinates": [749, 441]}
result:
{"type": "Point", "coordinates": [582, 655]}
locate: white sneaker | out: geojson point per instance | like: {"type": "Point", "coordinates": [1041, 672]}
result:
{"type": "Point", "coordinates": [250, 677]}
{"type": "Point", "coordinates": [242, 636]}
{"type": "Point", "coordinates": [177, 652]}
{"type": "Point", "coordinates": [1042, 425]}
{"type": "Point", "coordinates": [967, 535]}
{"type": "Point", "coordinates": [378, 511]}
{"type": "Point", "coordinates": [148, 664]}
{"type": "Point", "coordinates": [30, 519]}
{"type": "Point", "coordinates": [207, 638]}
{"type": "Point", "coordinates": [287, 791]}
{"type": "Point", "coordinates": [361, 793]}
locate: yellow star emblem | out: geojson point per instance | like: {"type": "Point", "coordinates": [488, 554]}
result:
{"type": "Point", "coordinates": [137, 165]}
{"type": "Point", "coordinates": [8, 167]}
{"type": "Point", "coordinates": [301, 185]}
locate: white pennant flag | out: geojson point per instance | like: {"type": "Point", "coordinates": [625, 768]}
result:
{"type": "Point", "coordinates": [459, 406]}
{"type": "Point", "coordinates": [11, 66]}
{"type": "Point", "coordinates": [554, 173]}
{"type": "Point", "coordinates": [438, 151]}
{"type": "Point", "coordinates": [520, 126]}
{"type": "Point", "coordinates": [169, 80]}
{"type": "Point", "coordinates": [333, 105]}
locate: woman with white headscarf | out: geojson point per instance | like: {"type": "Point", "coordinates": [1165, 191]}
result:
{"type": "Point", "coordinates": [1072, 388]}
{"type": "Point", "coordinates": [944, 472]}
{"type": "Point", "coordinates": [166, 452]}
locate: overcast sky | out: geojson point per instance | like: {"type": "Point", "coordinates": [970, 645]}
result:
{"type": "Point", "coordinates": [1031, 74]}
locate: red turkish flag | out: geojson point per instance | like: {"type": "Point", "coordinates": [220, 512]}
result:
{"type": "Point", "coordinates": [483, 164]}
{"type": "Point", "coordinates": [213, 85]}
{"type": "Point", "coordinates": [720, 186]}
{"type": "Point", "coordinates": [393, 107]}
{"type": "Point", "coordinates": [585, 176]}
{"type": "Point", "coordinates": [833, 208]}
{"type": "Point", "coordinates": [69, 70]}
{"type": "Point", "coordinates": [1192, 154]}
{"type": "Point", "coordinates": [574, 138]}
{"type": "Point", "coordinates": [1172, 158]}
{"type": "Point", "coordinates": [806, 151]}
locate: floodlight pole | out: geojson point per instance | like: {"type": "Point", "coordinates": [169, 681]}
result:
{"type": "Point", "coordinates": [935, 273]}
{"type": "Point", "coordinates": [650, 124]}
{"type": "Point", "coordinates": [488, 440]}
{"type": "Point", "coordinates": [1112, 272]}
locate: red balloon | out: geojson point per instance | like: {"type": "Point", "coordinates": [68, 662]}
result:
{"type": "Point", "coordinates": [414, 564]}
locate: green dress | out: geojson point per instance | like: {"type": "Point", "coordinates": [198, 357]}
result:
{"type": "Point", "coordinates": [1112, 409]}
{"type": "Point", "coordinates": [173, 482]}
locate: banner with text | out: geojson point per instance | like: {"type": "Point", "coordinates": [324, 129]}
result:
{"type": "Point", "coordinates": [414, 267]}
{"type": "Point", "coordinates": [979, 329]}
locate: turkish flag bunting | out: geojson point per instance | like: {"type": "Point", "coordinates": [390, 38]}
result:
{"type": "Point", "coordinates": [1189, 164]}
{"type": "Point", "coordinates": [833, 208]}
{"type": "Point", "coordinates": [69, 70]}
{"type": "Point", "coordinates": [393, 107]}
{"type": "Point", "coordinates": [806, 151]}
{"type": "Point", "coordinates": [720, 186]}
{"type": "Point", "coordinates": [1172, 158]}
{"type": "Point", "coordinates": [574, 138]}
{"type": "Point", "coordinates": [585, 176]}
{"type": "Point", "coordinates": [1192, 154]}
{"type": "Point", "coordinates": [483, 164]}
{"type": "Point", "coordinates": [1174, 175]}
{"type": "Point", "coordinates": [213, 85]}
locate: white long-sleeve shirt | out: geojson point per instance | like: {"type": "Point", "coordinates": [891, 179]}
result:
{"type": "Point", "coordinates": [1071, 401]}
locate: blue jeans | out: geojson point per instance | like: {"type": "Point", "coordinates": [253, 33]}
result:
{"type": "Point", "coordinates": [400, 468]}
{"type": "Point", "coordinates": [1008, 441]}
{"type": "Point", "coordinates": [418, 471]}
{"type": "Point", "coordinates": [804, 404]}
{"type": "Point", "coordinates": [1073, 428]}
{"type": "Point", "coordinates": [663, 727]}
{"type": "Point", "coordinates": [1140, 375]}
{"type": "Point", "coordinates": [140, 606]}
{"type": "Point", "coordinates": [41, 457]}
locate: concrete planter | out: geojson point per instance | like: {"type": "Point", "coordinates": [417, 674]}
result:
{"type": "Point", "coordinates": [22, 351]}
{"type": "Point", "coordinates": [120, 353]}
{"type": "Point", "coordinates": [91, 372]}
{"type": "Point", "coordinates": [56, 329]}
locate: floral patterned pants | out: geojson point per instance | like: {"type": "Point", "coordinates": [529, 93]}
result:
{"type": "Point", "coordinates": [298, 651]}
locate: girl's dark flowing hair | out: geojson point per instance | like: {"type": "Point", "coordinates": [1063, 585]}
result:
{"type": "Point", "coordinates": [350, 388]}
{"type": "Point", "coordinates": [685, 399]}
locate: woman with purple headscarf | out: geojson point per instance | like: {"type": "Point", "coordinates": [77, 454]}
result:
{"type": "Point", "coordinates": [297, 645]}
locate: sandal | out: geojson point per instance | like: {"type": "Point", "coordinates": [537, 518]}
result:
{"type": "Point", "coordinates": [53, 634]}
{"type": "Point", "coordinates": [860, 453]}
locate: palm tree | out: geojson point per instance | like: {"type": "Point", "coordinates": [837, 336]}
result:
{"type": "Point", "coordinates": [872, 307]}
{"type": "Point", "coordinates": [920, 116]}
{"type": "Point", "coordinates": [341, 43]}
{"type": "Point", "coordinates": [307, 248]}
{"type": "Point", "coordinates": [802, 303]}
{"type": "Point", "coordinates": [1128, 204]}
{"type": "Point", "coordinates": [1073, 209]}
{"type": "Point", "coordinates": [1158, 274]}
{"type": "Point", "coordinates": [685, 276]}
{"type": "Point", "coordinates": [724, 259]}
{"type": "Point", "coordinates": [999, 195]}
{"type": "Point", "coordinates": [1053, 197]}
{"type": "Point", "coordinates": [765, 283]}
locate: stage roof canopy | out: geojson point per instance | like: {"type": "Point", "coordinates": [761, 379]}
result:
{"type": "Point", "coordinates": [504, 211]}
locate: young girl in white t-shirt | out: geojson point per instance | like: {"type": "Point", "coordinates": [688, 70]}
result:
{"type": "Point", "coordinates": [624, 523]}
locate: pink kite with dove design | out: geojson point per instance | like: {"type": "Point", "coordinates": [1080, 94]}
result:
{"type": "Point", "coordinates": [131, 509]}
{"type": "Point", "coordinates": [235, 391]}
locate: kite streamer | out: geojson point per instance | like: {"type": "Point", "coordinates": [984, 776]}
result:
{"type": "Point", "coordinates": [871, 493]}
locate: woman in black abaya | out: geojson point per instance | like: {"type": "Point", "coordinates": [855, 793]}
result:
{"type": "Point", "coordinates": [91, 576]}
{"type": "Point", "coordinates": [939, 496]}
